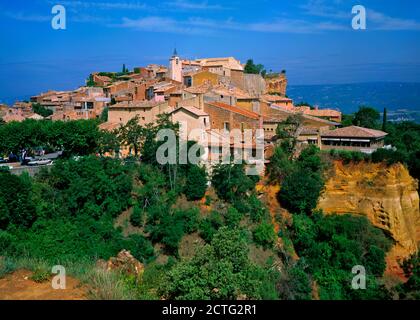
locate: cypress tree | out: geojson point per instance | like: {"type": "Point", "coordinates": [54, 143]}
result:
{"type": "Point", "coordinates": [385, 120]}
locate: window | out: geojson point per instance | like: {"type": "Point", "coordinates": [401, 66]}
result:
{"type": "Point", "coordinates": [254, 152]}
{"type": "Point", "coordinates": [205, 121]}
{"type": "Point", "coordinates": [226, 126]}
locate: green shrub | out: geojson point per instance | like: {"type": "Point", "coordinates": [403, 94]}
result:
{"type": "Point", "coordinates": [264, 235]}
{"type": "Point", "coordinates": [388, 156]}
{"type": "Point", "coordinates": [232, 217]}
{"type": "Point", "coordinates": [7, 242]}
{"type": "Point", "coordinates": [231, 182]}
{"type": "Point", "coordinates": [348, 156]}
{"type": "Point", "coordinates": [189, 219]}
{"type": "Point", "coordinates": [137, 217]}
{"type": "Point", "coordinates": [40, 275]}
{"type": "Point", "coordinates": [141, 248]}
{"type": "Point", "coordinates": [332, 245]}
{"type": "Point", "coordinates": [7, 266]}
{"type": "Point", "coordinates": [209, 226]}
{"type": "Point", "coordinates": [196, 183]}
{"type": "Point", "coordinates": [300, 191]}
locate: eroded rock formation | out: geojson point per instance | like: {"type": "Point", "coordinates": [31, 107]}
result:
{"type": "Point", "coordinates": [387, 195]}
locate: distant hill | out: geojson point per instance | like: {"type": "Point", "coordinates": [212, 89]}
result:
{"type": "Point", "coordinates": [401, 99]}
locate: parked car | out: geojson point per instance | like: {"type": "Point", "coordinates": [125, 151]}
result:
{"type": "Point", "coordinates": [40, 162]}
{"type": "Point", "coordinates": [26, 161]}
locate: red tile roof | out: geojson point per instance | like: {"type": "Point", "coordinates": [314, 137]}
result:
{"type": "Point", "coordinates": [193, 110]}
{"type": "Point", "coordinates": [109, 126]}
{"type": "Point", "coordinates": [356, 132]}
{"type": "Point", "coordinates": [238, 110]}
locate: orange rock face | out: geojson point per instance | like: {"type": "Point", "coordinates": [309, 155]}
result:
{"type": "Point", "coordinates": [387, 195]}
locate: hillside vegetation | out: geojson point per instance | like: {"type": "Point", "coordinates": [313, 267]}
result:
{"type": "Point", "coordinates": [67, 215]}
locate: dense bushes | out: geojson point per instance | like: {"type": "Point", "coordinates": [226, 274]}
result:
{"type": "Point", "coordinates": [411, 288]}
{"type": "Point", "coordinates": [90, 185]}
{"type": "Point", "coordinates": [73, 137]}
{"type": "Point", "coordinates": [328, 246]}
{"type": "Point", "coordinates": [300, 191]}
{"type": "Point", "coordinates": [264, 235]}
{"type": "Point", "coordinates": [17, 208]}
{"type": "Point", "coordinates": [66, 212]}
{"type": "Point", "coordinates": [219, 271]}
{"type": "Point", "coordinates": [41, 110]}
{"type": "Point", "coordinates": [303, 182]}
{"type": "Point", "coordinates": [348, 156]}
{"type": "Point", "coordinates": [196, 184]}
{"type": "Point", "coordinates": [137, 216]}
{"type": "Point", "coordinates": [231, 182]}
{"type": "Point", "coordinates": [332, 245]}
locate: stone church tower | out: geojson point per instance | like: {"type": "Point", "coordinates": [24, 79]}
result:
{"type": "Point", "coordinates": [175, 67]}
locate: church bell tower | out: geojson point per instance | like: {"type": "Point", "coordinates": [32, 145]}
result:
{"type": "Point", "coordinates": [175, 67]}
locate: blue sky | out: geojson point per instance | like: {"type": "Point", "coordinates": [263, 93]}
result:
{"type": "Point", "coordinates": [311, 39]}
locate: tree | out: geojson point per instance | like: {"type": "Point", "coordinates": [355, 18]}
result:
{"type": "Point", "coordinates": [279, 165]}
{"type": "Point", "coordinates": [384, 120]}
{"type": "Point", "coordinates": [90, 82]}
{"type": "Point", "coordinates": [411, 267]}
{"type": "Point", "coordinates": [231, 182]}
{"type": "Point", "coordinates": [219, 271]}
{"type": "Point", "coordinates": [300, 191]}
{"type": "Point", "coordinates": [41, 110]}
{"type": "Point", "coordinates": [104, 114]}
{"type": "Point", "coordinates": [132, 134]}
{"type": "Point", "coordinates": [286, 132]}
{"type": "Point", "coordinates": [347, 120]}
{"type": "Point", "coordinates": [264, 235]}
{"type": "Point", "coordinates": [232, 217]}
{"type": "Point", "coordinates": [366, 117]}
{"type": "Point", "coordinates": [309, 158]}
{"type": "Point", "coordinates": [137, 216]}
{"type": "Point", "coordinates": [108, 143]}
{"type": "Point", "coordinates": [16, 204]}
{"type": "Point", "coordinates": [196, 183]}
{"type": "Point", "coordinates": [252, 68]}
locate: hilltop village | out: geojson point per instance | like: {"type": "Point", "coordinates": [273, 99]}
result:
{"type": "Point", "coordinates": [213, 94]}
{"type": "Point", "coordinates": [84, 185]}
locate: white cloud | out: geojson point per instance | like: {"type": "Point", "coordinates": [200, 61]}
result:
{"type": "Point", "coordinates": [104, 5]}
{"type": "Point", "coordinates": [381, 21]}
{"type": "Point", "coordinates": [189, 5]}
{"type": "Point", "coordinates": [295, 26]}
{"type": "Point", "coordinates": [197, 25]}
{"type": "Point", "coordinates": [20, 16]}
{"type": "Point", "coordinates": [161, 24]}
{"type": "Point", "coordinates": [318, 8]}
{"type": "Point", "coordinates": [375, 19]}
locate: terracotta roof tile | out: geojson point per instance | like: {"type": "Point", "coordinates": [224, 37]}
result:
{"type": "Point", "coordinates": [238, 110]}
{"type": "Point", "coordinates": [193, 110]}
{"type": "Point", "coordinates": [354, 131]}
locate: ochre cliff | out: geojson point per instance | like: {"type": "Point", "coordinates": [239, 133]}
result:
{"type": "Point", "coordinates": [387, 195]}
